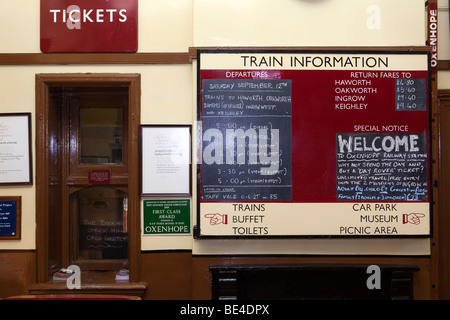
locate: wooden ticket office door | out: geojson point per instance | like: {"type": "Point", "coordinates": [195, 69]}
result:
{"type": "Point", "coordinates": [87, 164]}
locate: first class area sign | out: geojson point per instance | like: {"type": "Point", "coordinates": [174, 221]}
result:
{"type": "Point", "coordinates": [313, 144]}
{"type": "Point", "coordinates": [89, 26]}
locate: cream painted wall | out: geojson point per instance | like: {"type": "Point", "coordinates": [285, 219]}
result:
{"type": "Point", "coordinates": [163, 26]}
{"type": "Point", "coordinates": [309, 23]}
{"type": "Point", "coordinates": [443, 30]}
{"type": "Point", "coordinates": [176, 25]}
{"type": "Point", "coordinates": [159, 104]}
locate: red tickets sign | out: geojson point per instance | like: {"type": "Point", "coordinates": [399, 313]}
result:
{"type": "Point", "coordinates": [89, 26]}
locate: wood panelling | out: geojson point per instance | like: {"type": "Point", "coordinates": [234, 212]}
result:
{"type": "Point", "coordinates": [167, 274]}
{"type": "Point", "coordinates": [201, 276]}
{"type": "Point", "coordinates": [177, 275]}
{"type": "Point", "coordinates": [18, 271]}
{"type": "Point", "coordinates": [444, 199]}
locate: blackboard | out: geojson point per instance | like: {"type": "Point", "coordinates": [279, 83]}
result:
{"type": "Point", "coordinates": [381, 167]}
{"type": "Point", "coordinates": [247, 125]}
{"type": "Point", "coordinates": [411, 94]}
{"type": "Point", "coordinates": [313, 143]}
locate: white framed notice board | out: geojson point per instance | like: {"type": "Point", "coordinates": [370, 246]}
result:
{"type": "Point", "coordinates": [313, 143]}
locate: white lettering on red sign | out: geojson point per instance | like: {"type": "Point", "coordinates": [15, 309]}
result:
{"type": "Point", "coordinates": [73, 16]}
{"type": "Point", "coordinates": [433, 30]}
{"type": "Point", "coordinates": [89, 26]}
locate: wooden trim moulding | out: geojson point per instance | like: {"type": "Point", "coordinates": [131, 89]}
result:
{"type": "Point", "coordinates": [94, 58]}
{"type": "Point", "coordinates": [443, 65]}
{"type": "Point", "coordinates": [160, 57]}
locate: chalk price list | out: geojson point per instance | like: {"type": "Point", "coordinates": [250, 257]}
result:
{"type": "Point", "coordinates": [410, 95]}
{"type": "Point", "coordinates": [246, 137]}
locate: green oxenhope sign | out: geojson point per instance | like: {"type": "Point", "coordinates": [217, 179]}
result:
{"type": "Point", "coordinates": [167, 217]}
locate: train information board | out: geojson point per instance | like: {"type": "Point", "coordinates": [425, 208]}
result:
{"type": "Point", "coordinates": [313, 143]}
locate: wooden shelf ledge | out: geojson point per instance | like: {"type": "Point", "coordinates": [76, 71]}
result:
{"type": "Point", "coordinates": [102, 283]}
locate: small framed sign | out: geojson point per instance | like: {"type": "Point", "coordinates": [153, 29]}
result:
{"type": "Point", "coordinates": [99, 176]}
{"type": "Point", "coordinates": [165, 160]}
{"type": "Point", "coordinates": [167, 217]}
{"type": "Point", "coordinates": [15, 149]}
{"type": "Point", "coordinates": [10, 218]}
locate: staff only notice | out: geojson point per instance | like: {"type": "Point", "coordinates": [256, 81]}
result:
{"type": "Point", "coordinates": [304, 144]}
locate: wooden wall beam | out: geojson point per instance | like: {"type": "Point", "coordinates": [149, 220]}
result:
{"type": "Point", "coordinates": [93, 58]}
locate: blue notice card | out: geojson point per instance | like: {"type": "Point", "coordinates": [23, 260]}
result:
{"type": "Point", "coordinates": [8, 218]}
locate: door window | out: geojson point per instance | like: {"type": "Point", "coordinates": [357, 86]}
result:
{"type": "Point", "coordinates": [101, 135]}
{"type": "Point", "coordinates": [99, 225]}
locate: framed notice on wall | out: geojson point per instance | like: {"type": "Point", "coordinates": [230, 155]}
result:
{"type": "Point", "coordinates": [166, 216]}
{"type": "Point", "coordinates": [15, 149]}
{"type": "Point", "coordinates": [313, 144]}
{"type": "Point", "coordinates": [165, 160]}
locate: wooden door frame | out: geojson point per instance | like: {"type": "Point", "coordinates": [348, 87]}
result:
{"type": "Point", "coordinates": [443, 264]}
{"type": "Point", "coordinates": [43, 83]}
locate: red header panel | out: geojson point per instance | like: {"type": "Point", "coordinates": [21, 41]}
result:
{"type": "Point", "coordinates": [89, 26]}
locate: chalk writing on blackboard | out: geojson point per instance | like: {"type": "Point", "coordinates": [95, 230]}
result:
{"type": "Point", "coordinates": [246, 137]}
{"type": "Point", "coordinates": [381, 167]}
{"type": "Point", "coordinates": [410, 95]}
